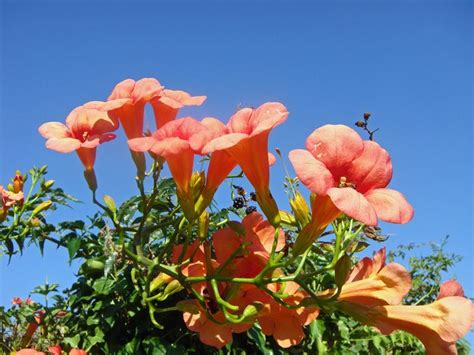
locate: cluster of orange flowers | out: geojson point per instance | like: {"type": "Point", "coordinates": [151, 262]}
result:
{"type": "Point", "coordinates": [11, 196]}
{"type": "Point", "coordinates": [344, 173]}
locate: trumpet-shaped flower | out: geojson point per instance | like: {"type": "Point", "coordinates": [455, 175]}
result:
{"type": "Point", "coordinates": [172, 142]}
{"type": "Point", "coordinates": [245, 139]}
{"type": "Point", "coordinates": [353, 173]}
{"type": "Point", "coordinates": [438, 325]}
{"type": "Point", "coordinates": [284, 324]}
{"type": "Point", "coordinates": [10, 198]}
{"type": "Point", "coordinates": [86, 127]}
{"type": "Point", "coordinates": [255, 243]}
{"type": "Point", "coordinates": [372, 283]}
{"type": "Point", "coordinates": [167, 105]}
{"type": "Point", "coordinates": [138, 93]}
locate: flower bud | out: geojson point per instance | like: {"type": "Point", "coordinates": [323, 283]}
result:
{"type": "Point", "coordinates": [366, 115]}
{"type": "Point", "coordinates": [89, 175]}
{"type": "Point", "coordinates": [18, 182]}
{"type": "Point", "coordinates": [173, 287]}
{"type": "Point", "coordinates": [3, 214]}
{"type": "Point", "coordinates": [342, 269]}
{"type": "Point", "coordinates": [300, 209]}
{"type": "Point", "coordinates": [252, 309]}
{"type": "Point", "coordinates": [203, 225]}
{"type": "Point", "coordinates": [197, 183]}
{"type": "Point", "coordinates": [110, 203]}
{"type": "Point", "coordinates": [48, 184]}
{"type": "Point", "coordinates": [287, 218]}
{"type": "Point", "coordinates": [360, 124]}
{"type": "Point", "coordinates": [160, 280]}
{"type": "Point", "coordinates": [35, 222]}
{"type": "Point", "coordinates": [41, 207]}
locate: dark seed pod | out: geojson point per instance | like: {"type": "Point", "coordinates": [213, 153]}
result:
{"type": "Point", "coordinates": [239, 202]}
{"type": "Point", "coordinates": [250, 209]}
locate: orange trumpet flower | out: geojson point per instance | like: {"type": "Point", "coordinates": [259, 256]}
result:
{"type": "Point", "coordinates": [353, 173]}
{"type": "Point", "coordinates": [245, 140]}
{"type": "Point", "coordinates": [167, 105]}
{"type": "Point", "coordinates": [138, 93]}
{"type": "Point", "coordinates": [172, 143]}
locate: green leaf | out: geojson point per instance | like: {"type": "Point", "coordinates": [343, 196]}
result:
{"type": "Point", "coordinates": [103, 286]}
{"type": "Point", "coordinates": [73, 246]}
{"type": "Point", "coordinates": [256, 335]}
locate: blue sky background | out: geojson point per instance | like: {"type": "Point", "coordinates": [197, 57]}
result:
{"type": "Point", "coordinates": [407, 62]}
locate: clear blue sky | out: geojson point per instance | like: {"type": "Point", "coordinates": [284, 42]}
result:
{"type": "Point", "coordinates": [407, 62]}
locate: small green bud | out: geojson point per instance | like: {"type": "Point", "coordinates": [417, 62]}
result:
{"type": "Point", "coordinates": [110, 203]}
{"type": "Point", "coordinates": [252, 309]}
{"type": "Point", "coordinates": [342, 269]}
{"type": "Point", "coordinates": [41, 207]}
{"type": "Point", "coordinates": [48, 184]}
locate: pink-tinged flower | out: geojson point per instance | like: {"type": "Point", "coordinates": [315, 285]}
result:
{"type": "Point", "coordinates": [29, 352]}
{"type": "Point", "coordinates": [77, 352]}
{"type": "Point", "coordinates": [450, 288]}
{"type": "Point", "coordinates": [32, 326]}
{"type": "Point", "coordinates": [373, 283]}
{"type": "Point", "coordinates": [257, 240]}
{"type": "Point", "coordinates": [86, 127]}
{"type": "Point", "coordinates": [172, 142]}
{"type": "Point", "coordinates": [221, 163]}
{"type": "Point", "coordinates": [245, 140]}
{"type": "Point", "coordinates": [138, 93]}
{"type": "Point", "coordinates": [55, 350]}
{"type": "Point", "coordinates": [28, 301]}
{"type": "Point", "coordinates": [10, 198]}
{"type": "Point", "coordinates": [353, 173]}
{"type": "Point", "coordinates": [284, 324]}
{"type": "Point", "coordinates": [16, 301]}
{"type": "Point", "coordinates": [167, 105]}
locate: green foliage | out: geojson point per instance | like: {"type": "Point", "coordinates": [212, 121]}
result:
{"type": "Point", "coordinates": [108, 309]}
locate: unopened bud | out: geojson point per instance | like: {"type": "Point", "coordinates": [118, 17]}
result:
{"type": "Point", "coordinates": [10, 188]}
{"type": "Point", "coordinates": [173, 287]}
{"type": "Point", "coordinates": [342, 269]}
{"type": "Point", "coordinates": [3, 214]}
{"type": "Point", "coordinates": [300, 209]}
{"type": "Point", "coordinates": [252, 309]}
{"type": "Point", "coordinates": [41, 207]}
{"type": "Point", "coordinates": [197, 183]}
{"type": "Point", "coordinates": [203, 225]}
{"type": "Point", "coordinates": [366, 115]}
{"type": "Point", "coordinates": [287, 218]}
{"type": "Point", "coordinates": [360, 124]}
{"type": "Point", "coordinates": [110, 203]}
{"type": "Point", "coordinates": [160, 280]}
{"type": "Point", "coordinates": [89, 175]}
{"type": "Point", "coordinates": [35, 222]}
{"type": "Point", "coordinates": [18, 182]}
{"type": "Point", "coordinates": [48, 184]}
